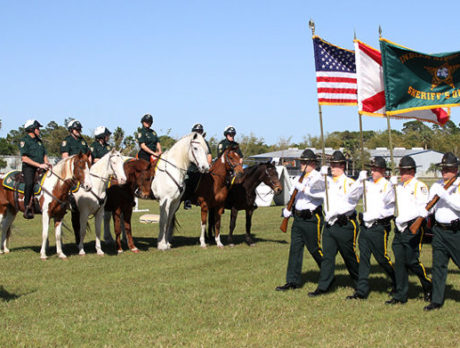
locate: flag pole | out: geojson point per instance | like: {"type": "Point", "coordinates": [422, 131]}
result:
{"type": "Point", "coordinates": [311, 25]}
{"type": "Point", "coordinates": [390, 141]}
{"type": "Point", "coordinates": [362, 151]}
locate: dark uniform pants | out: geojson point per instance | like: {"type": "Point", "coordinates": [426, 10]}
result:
{"type": "Point", "coordinates": [29, 177]}
{"type": "Point", "coordinates": [341, 239]}
{"type": "Point", "coordinates": [406, 247]}
{"type": "Point", "coordinates": [446, 245]}
{"type": "Point", "coordinates": [373, 241]}
{"type": "Point", "coordinates": [304, 232]}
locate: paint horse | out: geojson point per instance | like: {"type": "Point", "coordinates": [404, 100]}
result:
{"type": "Point", "coordinates": [120, 199]}
{"type": "Point", "coordinates": [53, 200]}
{"type": "Point", "coordinates": [168, 183]}
{"type": "Point", "coordinates": [92, 202]}
{"type": "Point", "coordinates": [213, 189]}
{"type": "Point", "coordinates": [242, 195]}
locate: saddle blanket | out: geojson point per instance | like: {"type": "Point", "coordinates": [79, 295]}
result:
{"type": "Point", "coordinates": [11, 178]}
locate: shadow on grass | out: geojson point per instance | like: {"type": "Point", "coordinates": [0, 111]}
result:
{"type": "Point", "coordinates": [7, 296]}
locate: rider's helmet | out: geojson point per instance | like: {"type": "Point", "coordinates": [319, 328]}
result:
{"type": "Point", "coordinates": [147, 118]}
{"type": "Point", "coordinates": [230, 130]}
{"type": "Point", "coordinates": [31, 125]}
{"type": "Point", "coordinates": [74, 124]}
{"type": "Point", "coordinates": [101, 132]}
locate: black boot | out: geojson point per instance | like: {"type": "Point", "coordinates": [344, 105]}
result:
{"type": "Point", "coordinates": [287, 286]}
{"type": "Point", "coordinates": [28, 213]}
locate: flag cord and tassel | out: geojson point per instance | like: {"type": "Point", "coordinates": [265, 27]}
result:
{"type": "Point", "coordinates": [311, 25]}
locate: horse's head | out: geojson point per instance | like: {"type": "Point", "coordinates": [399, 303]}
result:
{"type": "Point", "coordinates": [198, 152]}
{"type": "Point", "coordinates": [139, 174]}
{"type": "Point", "coordinates": [270, 177]}
{"type": "Point", "coordinates": [80, 171]}
{"type": "Point", "coordinates": [232, 161]}
{"type": "Point", "coordinates": [116, 165]}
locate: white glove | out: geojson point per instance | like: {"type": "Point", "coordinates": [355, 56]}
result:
{"type": "Point", "coordinates": [330, 214]}
{"type": "Point", "coordinates": [362, 175]}
{"type": "Point", "coordinates": [287, 213]}
{"type": "Point", "coordinates": [423, 212]}
{"type": "Point", "coordinates": [442, 193]}
{"type": "Point", "coordinates": [324, 170]}
{"type": "Point", "coordinates": [299, 186]}
{"type": "Point", "coordinates": [369, 216]}
{"type": "Point", "coordinates": [394, 180]}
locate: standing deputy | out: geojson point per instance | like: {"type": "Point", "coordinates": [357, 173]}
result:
{"type": "Point", "coordinates": [412, 197]}
{"type": "Point", "coordinates": [149, 142]}
{"type": "Point", "coordinates": [375, 225]}
{"type": "Point", "coordinates": [74, 143]}
{"type": "Point", "coordinates": [229, 133]}
{"type": "Point", "coordinates": [308, 221]}
{"type": "Point", "coordinates": [193, 174]}
{"type": "Point", "coordinates": [33, 156]}
{"type": "Point", "coordinates": [341, 229]}
{"type": "Point", "coordinates": [100, 146]}
{"type": "Point", "coordinates": [446, 240]}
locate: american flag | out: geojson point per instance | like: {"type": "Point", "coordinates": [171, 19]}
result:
{"type": "Point", "coordinates": [335, 74]}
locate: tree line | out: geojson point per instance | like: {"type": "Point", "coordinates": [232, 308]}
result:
{"type": "Point", "coordinates": [412, 134]}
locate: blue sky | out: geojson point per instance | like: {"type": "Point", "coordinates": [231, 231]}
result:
{"type": "Point", "coordinates": [245, 63]}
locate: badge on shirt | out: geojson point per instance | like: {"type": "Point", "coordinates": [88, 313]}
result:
{"type": "Point", "coordinates": [107, 147]}
{"type": "Point", "coordinates": [83, 142]}
{"type": "Point", "coordinates": [424, 190]}
{"type": "Point", "coordinates": [64, 143]}
{"type": "Point", "coordinates": [22, 144]}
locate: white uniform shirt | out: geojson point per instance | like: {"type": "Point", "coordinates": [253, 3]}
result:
{"type": "Point", "coordinates": [302, 199]}
{"type": "Point", "coordinates": [380, 199]}
{"type": "Point", "coordinates": [446, 210]}
{"type": "Point", "coordinates": [340, 200]}
{"type": "Point", "coordinates": [412, 198]}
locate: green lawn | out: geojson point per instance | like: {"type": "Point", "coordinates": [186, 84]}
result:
{"type": "Point", "coordinates": [193, 297]}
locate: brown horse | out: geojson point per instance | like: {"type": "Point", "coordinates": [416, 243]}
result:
{"type": "Point", "coordinates": [120, 198]}
{"type": "Point", "coordinates": [242, 195]}
{"type": "Point", "coordinates": [213, 188]}
{"type": "Point", "coordinates": [53, 199]}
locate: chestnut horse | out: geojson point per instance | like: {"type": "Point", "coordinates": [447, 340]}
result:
{"type": "Point", "coordinates": [53, 199]}
{"type": "Point", "coordinates": [242, 195]}
{"type": "Point", "coordinates": [120, 198]}
{"type": "Point", "coordinates": [213, 188]}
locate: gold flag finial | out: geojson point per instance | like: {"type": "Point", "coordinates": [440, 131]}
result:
{"type": "Point", "coordinates": [311, 25]}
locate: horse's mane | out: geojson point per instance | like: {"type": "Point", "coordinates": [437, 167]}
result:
{"type": "Point", "coordinates": [62, 168]}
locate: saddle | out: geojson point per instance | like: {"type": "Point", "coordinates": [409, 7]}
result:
{"type": "Point", "coordinates": [14, 181]}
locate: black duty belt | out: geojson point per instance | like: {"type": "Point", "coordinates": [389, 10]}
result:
{"type": "Point", "coordinates": [307, 213]}
{"type": "Point", "coordinates": [409, 224]}
{"type": "Point", "coordinates": [343, 219]}
{"type": "Point", "coordinates": [383, 222]}
{"type": "Point", "coordinates": [453, 226]}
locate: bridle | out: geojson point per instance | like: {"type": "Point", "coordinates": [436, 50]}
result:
{"type": "Point", "coordinates": [272, 184]}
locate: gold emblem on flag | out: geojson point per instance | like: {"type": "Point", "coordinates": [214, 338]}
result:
{"type": "Point", "coordinates": [442, 74]}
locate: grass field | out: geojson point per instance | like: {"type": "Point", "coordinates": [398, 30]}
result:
{"type": "Point", "coordinates": [193, 297]}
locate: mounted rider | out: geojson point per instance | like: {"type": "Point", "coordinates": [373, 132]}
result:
{"type": "Point", "coordinates": [193, 174]}
{"type": "Point", "coordinates": [100, 146]}
{"type": "Point", "coordinates": [74, 143]}
{"type": "Point", "coordinates": [229, 140]}
{"type": "Point", "coordinates": [149, 142]}
{"type": "Point", "coordinates": [33, 156]}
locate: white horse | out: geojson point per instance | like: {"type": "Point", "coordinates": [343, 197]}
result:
{"type": "Point", "coordinates": [92, 202]}
{"type": "Point", "coordinates": [168, 184]}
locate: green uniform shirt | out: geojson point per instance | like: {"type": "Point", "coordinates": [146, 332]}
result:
{"type": "Point", "coordinates": [150, 138]}
{"type": "Point", "coordinates": [32, 148]}
{"type": "Point", "coordinates": [226, 143]}
{"type": "Point", "coordinates": [98, 150]}
{"type": "Point", "coordinates": [74, 146]}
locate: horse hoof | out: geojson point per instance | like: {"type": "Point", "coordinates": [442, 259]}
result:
{"type": "Point", "coordinates": [82, 253]}
{"type": "Point", "coordinates": [100, 253]}
{"type": "Point", "coordinates": [220, 246]}
{"type": "Point", "coordinates": [63, 257]}
{"type": "Point", "coordinates": [135, 250]}
{"type": "Point", "coordinates": [120, 251]}
{"type": "Point", "coordinates": [162, 247]}
{"type": "Point", "coordinates": [43, 258]}
{"type": "Point", "coordinates": [231, 245]}
{"type": "Point", "coordinates": [252, 244]}
{"type": "Point", "coordinates": [7, 251]}
{"type": "Point", "coordinates": [204, 246]}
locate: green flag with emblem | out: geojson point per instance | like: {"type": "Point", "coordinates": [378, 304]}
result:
{"type": "Point", "coordinates": [418, 81]}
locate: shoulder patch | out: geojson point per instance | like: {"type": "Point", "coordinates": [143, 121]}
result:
{"type": "Point", "coordinates": [139, 135]}
{"type": "Point", "coordinates": [64, 143]}
{"type": "Point", "coordinates": [92, 149]}
{"type": "Point", "coordinates": [220, 146]}
{"type": "Point", "coordinates": [83, 142]}
{"type": "Point", "coordinates": [424, 189]}
{"type": "Point", "coordinates": [22, 143]}
{"type": "Point", "coordinates": [154, 133]}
